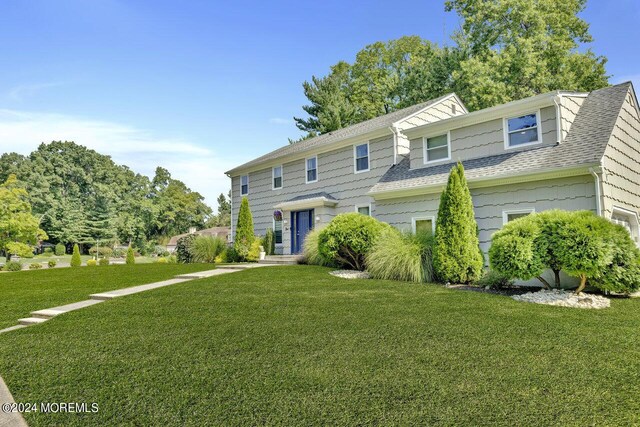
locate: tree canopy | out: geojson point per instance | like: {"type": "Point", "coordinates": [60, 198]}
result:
{"type": "Point", "coordinates": [504, 50]}
{"type": "Point", "coordinates": [81, 195]}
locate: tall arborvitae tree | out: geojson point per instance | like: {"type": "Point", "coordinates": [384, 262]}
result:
{"type": "Point", "coordinates": [244, 230]}
{"type": "Point", "coordinates": [457, 257]}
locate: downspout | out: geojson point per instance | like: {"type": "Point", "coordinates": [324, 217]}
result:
{"type": "Point", "coordinates": [598, 203]}
{"type": "Point", "coordinates": [231, 214]}
{"type": "Point", "coordinates": [393, 130]}
{"type": "Point", "coordinates": [558, 101]}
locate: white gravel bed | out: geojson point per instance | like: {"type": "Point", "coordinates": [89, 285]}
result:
{"type": "Point", "coordinates": [564, 299]}
{"type": "Point", "coordinates": [351, 274]}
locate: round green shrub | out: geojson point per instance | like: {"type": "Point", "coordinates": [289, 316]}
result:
{"type": "Point", "coordinates": [162, 261]}
{"type": "Point", "coordinates": [12, 266]}
{"type": "Point", "coordinates": [35, 266]}
{"type": "Point", "coordinates": [92, 263]}
{"type": "Point", "coordinates": [48, 252]}
{"type": "Point", "coordinates": [495, 280]}
{"type": "Point", "coordinates": [60, 249]}
{"type": "Point", "coordinates": [172, 259]}
{"type": "Point", "coordinates": [402, 256]}
{"type": "Point", "coordinates": [103, 261]}
{"type": "Point", "coordinates": [52, 263]}
{"type": "Point", "coordinates": [102, 251]}
{"type": "Point", "coordinates": [311, 251]}
{"type": "Point", "coordinates": [254, 251]}
{"type": "Point", "coordinates": [348, 238]}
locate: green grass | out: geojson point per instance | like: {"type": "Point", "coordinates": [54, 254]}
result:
{"type": "Point", "coordinates": [26, 291]}
{"type": "Point", "coordinates": [296, 346]}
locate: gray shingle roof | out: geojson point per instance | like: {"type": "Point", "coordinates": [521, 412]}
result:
{"type": "Point", "coordinates": [584, 145]}
{"type": "Point", "coordinates": [312, 196]}
{"type": "Point", "coordinates": [358, 129]}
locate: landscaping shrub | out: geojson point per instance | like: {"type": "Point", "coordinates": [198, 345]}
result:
{"type": "Point", "coordinates": [311, 251]}
{"type": "Point", "coordinates": [20, 249]}
{"type": "Point", "coordinates": [347, 239]}
{"type": "Point", "coordinates": [76, 261]}
{"type": "Point", "coordinates": [457, 256]}
{"type": "Point", "coordinates": [206, 248]}
{"type": "Point", "coordinates": [119, 253]}
{"type": "Point", "coordinates": [402, 256]}
{"type": "Point", "coordinates": [35, 266]}
{"type": "Point", "coordinates": [160, 250]}
{"type": "Point", "coordinates": [254, 251]}
{"type": "Point", "coordinates": [495, 280]}
{"type": "Point", "coordinates": [60, 249]}
{"type": "Point", "coordinates": [102, 251]}
{"type": "Point", "coordinates": [12, 266]}
{"type": "Point", "coordinates": [162, 261]}
{"type": "Point", "coordinates": [52, 263]}
{"type": "Point", "coordinates": [172, 259]}
{"type": "Point", "coordinates": [518, 252]}
{"type": "Point", "coordinates": [550, 223]}
{"type": "Point", "coordinates": [103, 261]}
{"type": "Point", "coordinates": [269, 242]}
{"type": "Point", "coordinates": [622, 274]}
{"type": "Point", "coordinates": [229, 255]}
{"type": "Point", "coordinates": [48, 252]}
{"type": "Point", "coordinates": [244, 231]}
{"type": "Point", "coordinates": [92, 263]}
{"type": "Point", "coordinates": [131, 258]}
{"type": "Point", "coordinates": [184, 247]}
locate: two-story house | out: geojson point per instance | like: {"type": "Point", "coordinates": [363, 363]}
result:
{"type": "Point", "coordinates": [559, 150]}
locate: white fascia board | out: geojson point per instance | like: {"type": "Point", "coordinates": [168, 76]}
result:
{"type": "Point", "coordinates": [306, 204]}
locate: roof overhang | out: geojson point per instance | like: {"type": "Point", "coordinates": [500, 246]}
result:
{"type": "Point", "coordinates": [483, 182]}
{"type": "Point", "coordinates": [498, 112]}
{"type": "Point", "coordinates": [315, 202]}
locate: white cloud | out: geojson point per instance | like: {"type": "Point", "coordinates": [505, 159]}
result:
{"type": "Point", "coordinates": [199, 167]}
{"type": "Point", "coordinates": [19, 93]}
{"type": "Point", "coordinates": [280, 121]}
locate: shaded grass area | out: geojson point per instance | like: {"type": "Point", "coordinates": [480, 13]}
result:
{"type": "Point", "coordinates": [26, 291]}
{"type": "Point", "coordinates": [296, 346]}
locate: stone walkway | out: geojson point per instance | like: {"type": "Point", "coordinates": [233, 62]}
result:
{"type": "Point", "coordinates": [40, 316]}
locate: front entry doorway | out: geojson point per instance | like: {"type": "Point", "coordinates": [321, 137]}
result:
{"type": "Point", "coordinates": [302, 223]}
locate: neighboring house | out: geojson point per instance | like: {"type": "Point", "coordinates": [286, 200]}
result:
{"type": "Point", "coordinates": [221, 232]}
{"type": "Point", "coordinates": [560, 150]}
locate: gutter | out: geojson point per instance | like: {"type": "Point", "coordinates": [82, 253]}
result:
{"type": "Point", "coordinates": [597, 181]}
{"type": "Point", "coordinates": [396, 132]}
{"type": "Point", "coordinates": [558, 101]}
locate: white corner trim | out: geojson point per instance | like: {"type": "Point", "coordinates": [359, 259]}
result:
{"type": "Point", "coordinates": [424, 218]}
{"type": "Point", "coordinates": [355, 163]}
{"type": "Point", "coordinates": [306, 170]}
{"type": "Point", "coordinates": [273, 177]}
{"type": "Point", "coordinates": [424, 149]}
{"type": "Point", "coordinates": [505, 128]}
{"type": "Point", "coordinates": [505, 213]}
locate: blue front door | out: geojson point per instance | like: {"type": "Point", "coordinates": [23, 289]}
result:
{"type": "Point", "coordinates": [302, 223]}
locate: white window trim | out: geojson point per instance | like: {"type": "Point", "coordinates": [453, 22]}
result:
{"type": "Point", "coordinates": [306, 170]}
{"type": "Point", "coordinates": [355, 163]}
{"type": "Point", "coordinates": [424, 149]}
{"type": "Point", "coordinates": [364, 206]}
{"type": "Point", "coordinates": [505, 129]}
{"type": "Point", "coordinates": [505, 214]}
{"type": "Point", "coordinates": [247, 193]}
{"type": "Point", "coordinates": [634, 221]}
{"type": "Point", "coordinates": [273, 221]}
{"type": "Point", "coordinates": [273, 177]}
{"type": "Point", "coordinates": [423, 218]}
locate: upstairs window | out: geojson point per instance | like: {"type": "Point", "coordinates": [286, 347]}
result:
{"type": "Point", "coordinates": [522, 130]}
{"type": "Point", "coordinates": [312, 169]}
{"type": "Point", "coordinates": [436, 148]}
{"type": "Point", "coordinates": [277, 177]}
{"type": "Point", "coordinates": [244, 185]}
{"type": "Point", "coordinates": [423, 225]}
{"type": "Point", "coordinates": [361, 154]}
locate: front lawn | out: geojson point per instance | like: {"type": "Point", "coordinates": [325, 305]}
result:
{"type": "Point", "coordinates": [26, 291]}
{"type": "Point", "coordinates": [296, 346]}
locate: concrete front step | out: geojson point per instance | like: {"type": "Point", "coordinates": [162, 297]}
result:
{"type": "Point", "coordinates": [134, 290]}
{"type": "Point", "coordinates": [28, 321]}
{"type": "Point", "coordinates": [56, 311]}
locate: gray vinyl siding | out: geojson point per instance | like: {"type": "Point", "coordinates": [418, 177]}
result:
{"type": "Point", "coordinates": [485, 139]}
{"type": "Point", "coordinates": [575, 193]}
{"type": "Point", "coordinates": [335, 176]}
{"type": "Point", "coordinates": [440, 111]}
{"type": "Point", "coordinates": [569, 108]}
{"type": "Point", "coordinates": [621, 162]}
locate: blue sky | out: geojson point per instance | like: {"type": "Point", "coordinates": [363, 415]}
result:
{"type": "Point", "coordinates": [201, 86]}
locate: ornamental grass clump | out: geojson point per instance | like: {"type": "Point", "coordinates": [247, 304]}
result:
{"type": "Point", "coordinates": [348, 238]}
{"type": "Point", "coordinates": [402, 256]}
{"type": "Point", "coordinates": [206, 248]}
{"type": "Point", "coordinates": [311, 252]}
